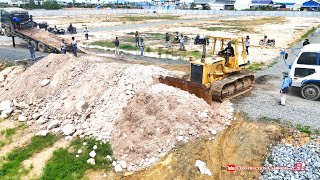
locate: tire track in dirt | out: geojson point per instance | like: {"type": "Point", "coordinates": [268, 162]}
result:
{"type": "Point", "coordinates": [21, 138]}
{"type": "Point", "coordinates": [38, 161]}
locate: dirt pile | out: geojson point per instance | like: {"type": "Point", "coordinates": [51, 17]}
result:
{"type": "Point", "coordinates": [160, 117]}
{"type": "Point", "coordinates": [88, 96]}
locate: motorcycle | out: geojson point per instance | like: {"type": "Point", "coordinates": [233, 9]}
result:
{"type": "Point", "coordinates": [72, 30]}
{"type": "Point", "coordinates": [201, 41]}
{"type": "Point", "coordinates": [56, 31]}
{"type": "Point", "coordinates": [268, 42]}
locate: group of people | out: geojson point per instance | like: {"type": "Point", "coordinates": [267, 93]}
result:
{"type": "Point", "coordinates": [139, 42]}
{"type": "Point", "coordinates": [63, 46]}
{"type": "Point", "coordinates": [177, 38]}
{"type": "Point", "coordinates": [73, 47]}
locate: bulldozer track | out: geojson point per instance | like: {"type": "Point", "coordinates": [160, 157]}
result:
{"type": "Point", "coordinates": [232, 86]}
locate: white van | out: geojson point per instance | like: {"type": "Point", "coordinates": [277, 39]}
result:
{"type": "Point", "coordinates": [305, 72]}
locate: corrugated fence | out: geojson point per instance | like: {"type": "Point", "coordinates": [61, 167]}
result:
{"type": "Point", "coordinates": [173, 12]}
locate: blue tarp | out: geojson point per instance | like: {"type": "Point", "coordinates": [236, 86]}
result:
{"type": "Point", "coordinates": [311, 4]}
{"type": "Point", "coordinates": [262, 2]}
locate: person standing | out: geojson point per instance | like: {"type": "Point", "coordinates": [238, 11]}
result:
{"type": "Point", "coordinates": [141, 46]}
{"type": "Point", "coordinates": [32, 51]}
{"type": "Point", "coordinates": [86, 33]}
{"type": "Point", "coordinates": [16, 23]}
{"type": "Point", "coordinates": [167, 40]}
{"type": "Point", "coordinates": [247, 43]}
{"type": "Point", "coordinates": [116, 45]}
{"type": "Point", "coordinates": [286, 83]}
{"type": "Point", "coordinates": [74, 46]}
{"type": "Point", "coordinates": [63, 47]}
{"type": "Point", "coordinates": [136, 35]}
{"type": "Point", "coordinates": [306, 42]}
{"type": "Point", "coordinates": [181, 40]}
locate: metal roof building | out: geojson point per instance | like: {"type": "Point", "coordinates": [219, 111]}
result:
{"type": "Point", "coordinates": [261, 2]}
{"type": "Point", "coordinates": [311, 5]}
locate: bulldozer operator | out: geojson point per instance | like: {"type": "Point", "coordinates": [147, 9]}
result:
{"type": "Point", "coordinates": [227, 52]}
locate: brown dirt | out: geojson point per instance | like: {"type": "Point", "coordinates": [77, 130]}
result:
{"type": "Point", "coordinates": [7, 124]}
{"type": "Point", "coordinates": [156, 120]}
{"type": "Point", "coordinates": [45, 37]}
{"type": "Point", "coordinates": [244, 143]}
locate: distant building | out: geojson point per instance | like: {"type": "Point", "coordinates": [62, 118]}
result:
{"type": "Point", "coordinates": [19, 2]}
{"type": "Point", "coordinates": [165, 4]}
{"type": "Point", "coordinates": [242, 4]}
{"type": "Point", "coordinates": [310, 6]}
{"type": "Point", "coordinates": [216, 4]}
{"type": "Point", "coordinates": [284, 4]}
{"type": "Point", "coordinates": [257, 3]}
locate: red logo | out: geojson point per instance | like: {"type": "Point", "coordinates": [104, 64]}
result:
{"type": "Point", "coordinates": [231, 168]}
{"type": "Point", "coordinates": [300, 166]}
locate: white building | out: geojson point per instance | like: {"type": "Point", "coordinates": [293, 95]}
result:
{"type": "Point", "coordinates": [216, 4]}
{"type": "Point", "coordinates": [165, 4]}
{"type": "Point", "coordinates": [242, 4]}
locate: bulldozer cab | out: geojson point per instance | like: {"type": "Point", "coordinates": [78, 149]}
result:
{"type": "Point", "coordinates": [238, 43]}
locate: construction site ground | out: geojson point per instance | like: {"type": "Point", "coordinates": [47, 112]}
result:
{"type": "Point", "coordinates": [159, 131]}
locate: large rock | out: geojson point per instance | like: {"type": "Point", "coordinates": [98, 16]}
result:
{"type": "Point", "coordinates": [4, 105]}
{"type": "Point", "coordinates": [6, 113]}
{"type": "Point", "coordinates": [23, 105]}
{"type": "Point", "coordinates": [35, 116]}
{"type": "Point", "coordinates": [91, 161]}
{"type": "Point", "coordinates": [81, 106]}
{"type": "Point", "coordinates": [68, 129]}
{"type": "Point", "coordinates": [53, 124]}
{"type": "Point", "coordinates": [44, 82]}
{"type": "Point", "coordinates": [41, 121]}
{"type": "Point", "coordinates": [92, 154]}
{"type": "Point", "coordinates": [42, 133]}
{"type": "Point", "coordinates": [118, 168]}
{"type": "Point", "coordinates": [22, 118]}
{"type": "Point", "coordinates": [4, 116]}
{"type": "Point", "coordinates": [123, 164]}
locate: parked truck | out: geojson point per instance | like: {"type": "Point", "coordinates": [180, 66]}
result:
{"type": "Point", "coordinates": [305, 72]}
{"type": "Point", "coordinates": [28, 30]}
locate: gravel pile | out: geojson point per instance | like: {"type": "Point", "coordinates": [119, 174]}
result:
{"type": "Point", "coordinates": [288, 155]}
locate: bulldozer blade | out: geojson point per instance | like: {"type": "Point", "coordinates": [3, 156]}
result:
{"type": "Point", "coordinates": [197, 89]}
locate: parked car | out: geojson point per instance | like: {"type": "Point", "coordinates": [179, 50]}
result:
{"type": "Point", "coordinates": [305, 72]}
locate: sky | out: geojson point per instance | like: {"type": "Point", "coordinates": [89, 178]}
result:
{"type": "Point", "coordinates": [239, 1]}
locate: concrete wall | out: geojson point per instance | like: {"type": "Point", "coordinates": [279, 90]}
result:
{"type": "Point", "coordinates": [174, 12]}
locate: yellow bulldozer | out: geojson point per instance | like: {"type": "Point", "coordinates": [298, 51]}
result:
{"type": "Point", "coordinates": [220, 76]}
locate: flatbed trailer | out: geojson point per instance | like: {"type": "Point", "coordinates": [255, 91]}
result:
{"type": "Point", "coordinates": [42, 39]}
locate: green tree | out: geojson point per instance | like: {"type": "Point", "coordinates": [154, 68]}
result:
{"type": "Point", "coordinates": [30, 5]}
{"type": "Point", "coordinates": [51, 4]}
{"type": "Point", "coordinates": [193, 5]}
